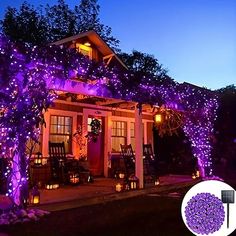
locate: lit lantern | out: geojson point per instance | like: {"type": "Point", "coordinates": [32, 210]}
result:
{"type": "Point", "coordinates": [119, 187]}
{"type": "Point", "coordinates": [157, 182]}
{"type": "Point", "coordinates": [35, 196]}
{"type": "Point", "coordinates": [197, 173]}
{"type": "Point", "coordinates": [55, 186]}
{"type": "Point", "coordinates": [38, 159]}
{"type": "Point", "coordinates": [194, 176]}
{"type": "Point", "coordinates": [158, 118]}
{"type": "Point", "coordinates": [74, 178]}
{"type": "Point", "coordinates": [133, 182]}
{"type": "Point", "coordinates": [49, 186]}
{"type": "Point", "coordinates": [121, 175]}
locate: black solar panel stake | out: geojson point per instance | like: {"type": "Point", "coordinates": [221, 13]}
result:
{"type": "Point", "coordinates": [227, 196]}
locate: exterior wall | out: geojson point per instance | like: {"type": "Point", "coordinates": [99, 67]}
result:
{"type": "Point", "coordinates": [80, 113]}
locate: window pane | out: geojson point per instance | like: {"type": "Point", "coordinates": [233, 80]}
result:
{"type": "Point", "coordinates": [61, 130]}
{"type": "Point", "coordinates": [118, 135]}
{"type": "Point", "coordinates": [132, 141]}
{"type": "Point", "coordinates": [67, 129]}
{"type": "Point", "coordinates": [53, 129]}
{"type": "Point", "coordinates": [62, 138]}
{"type": "Point", "coordinates": [68, 121]}
{"type": "Point", "coordinates": [116, 141]}
{"type": "Point", "coordinates": [61, 120]}
{"type": "Point", "coordinates": [54, 120]}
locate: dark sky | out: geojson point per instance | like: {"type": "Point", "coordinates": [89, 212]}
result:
{"type": "Point", "coordinates": [194, 39]}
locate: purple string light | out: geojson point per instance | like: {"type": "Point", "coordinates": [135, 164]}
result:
{"type": "Point", "coordinates": [24, 95]}
{"type": "Point", "coordinates": [204, 213]}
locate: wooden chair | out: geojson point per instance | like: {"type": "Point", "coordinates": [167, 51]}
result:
{"type": "Point", "coordinates": [60, 165]}
{"type": "Point", "coordinates": [149, 163]}
{"type": "Point", "coordinates": [129, 159]}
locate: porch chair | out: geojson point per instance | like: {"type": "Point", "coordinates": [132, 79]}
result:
{"type": "Point", "coordinates": [149, 163]}
{"type": "Point", "coordinates": [60, 165]}
{"type": "Point", "coordinates": [129, 159]}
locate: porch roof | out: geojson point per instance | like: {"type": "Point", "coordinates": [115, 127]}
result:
{"type": "Point", "coordinates": [88, 93]}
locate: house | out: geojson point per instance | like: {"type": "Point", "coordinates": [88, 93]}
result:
{"type": "Point", "coordinates": [76, 107]}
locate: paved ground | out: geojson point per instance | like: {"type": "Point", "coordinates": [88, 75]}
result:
{"type": "Point", "coordinates": [102, 190]}
{"type": "Point", "coordinates": [151, 214]}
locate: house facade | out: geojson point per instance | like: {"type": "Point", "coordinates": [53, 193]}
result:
{"type": "Point", "coordinates": [71, 116]}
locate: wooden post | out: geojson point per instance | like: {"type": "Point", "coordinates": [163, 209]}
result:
{"type": "Point", "coordinates": [139, 144]}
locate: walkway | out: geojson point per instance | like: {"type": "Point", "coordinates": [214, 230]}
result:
{"type": "Point", "coordinates": [103, 190]}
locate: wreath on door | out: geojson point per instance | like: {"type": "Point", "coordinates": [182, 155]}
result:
{"type": "Point", "coordinates": [96, 128]}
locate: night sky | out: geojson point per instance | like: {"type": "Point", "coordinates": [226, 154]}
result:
{"type": "Point", "coordinates": [194, 39]}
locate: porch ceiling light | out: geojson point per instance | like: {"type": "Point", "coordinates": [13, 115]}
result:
{"type": "Point", "coordinates": [158, 118]}
{"type": "Point", "coordinates": [88, 44]}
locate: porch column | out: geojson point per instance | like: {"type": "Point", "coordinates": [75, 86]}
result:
{"type": "Point", "coordinates": [139, 144]}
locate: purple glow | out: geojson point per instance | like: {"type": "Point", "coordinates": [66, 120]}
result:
{"type": "Point", "coordinates": [204, 213]}
{"type": "Point", "coordinates": [29, 75]}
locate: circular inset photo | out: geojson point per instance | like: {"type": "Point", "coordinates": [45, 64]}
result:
{"type": "Point", "coordinates": [209, 208]}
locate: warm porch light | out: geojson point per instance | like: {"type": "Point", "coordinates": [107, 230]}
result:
{"type": "Point", "coordinates": [35, 196]}
{"type": "Point", "coordinates": [88, 44]}
{"type": "Point", "coordinates": [158, 118]}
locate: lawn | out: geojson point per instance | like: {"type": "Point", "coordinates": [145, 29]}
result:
{"type": "Point", "coordinates": [146, 215]}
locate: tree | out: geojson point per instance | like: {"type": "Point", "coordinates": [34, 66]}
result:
{"type": "Point", "coordinates": [225, 143]}
{"type": "Point", "coordinates": [61, 21]}
{"type": "Point", "coordinates": [142, 62]}
{"type": "Point", "coordinates": [87, 18]}
{"type": "Point", "coordinates": [25, 25]}
{"type": "Point", "coordinates": [52, 23]}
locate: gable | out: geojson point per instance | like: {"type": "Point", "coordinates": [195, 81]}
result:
{"type": "Point", "coordinates": [95, 46]}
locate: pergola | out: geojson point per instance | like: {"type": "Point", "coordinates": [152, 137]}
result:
{"type": "Point", "coordinates": [86, 89]}
{"type": "Point", "coordinates": [29, 76]}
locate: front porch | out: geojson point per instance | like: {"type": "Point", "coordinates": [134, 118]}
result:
{"type": "Point", "coordinates": [103, 190]}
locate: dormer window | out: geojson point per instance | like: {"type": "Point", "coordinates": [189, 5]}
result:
{"type": "Point", "coordinates": [85, 49]}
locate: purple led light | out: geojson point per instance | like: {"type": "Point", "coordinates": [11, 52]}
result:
{"type": "Point", "coordinates": [24, 92]}
{"type": "Point", "coordinates": [204, 213]}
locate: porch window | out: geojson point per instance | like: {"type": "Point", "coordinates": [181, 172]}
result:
{"type": "Point", "coordinates": [119, 135]}
{"type": "Point", "coordinates": [132, 134]}
{"type": "Point", "coordinates": [61, 131]}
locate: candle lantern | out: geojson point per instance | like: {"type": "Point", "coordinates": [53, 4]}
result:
{"type": "Point", "coordinates": [52, 185]}
{"type": "Point", "coordinates": [55, 186]}
{"type": "Point", "coordinates": [35, 196]}
{"type": "Point", "coordinates": [194, 176]}
{"type": "Point", "coordinates": [119, 187]}
{"type": "Point", "coordinates": [157, 181]}
{"type": "Point", "coordinates": [74, 178]}
{"type": "Point", "coordinates": [197, 173]}
{"type": "Point", "coordinates": [49, 186]}
{"type": "Point", "coordinates": [133, 182]}
{"type": "Point", "coordinates": [38, 159]}
{"type": "Point", "coordinates": [121, 175]}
